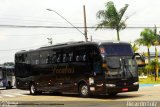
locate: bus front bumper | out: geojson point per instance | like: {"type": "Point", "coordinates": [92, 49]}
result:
{"type": "Point", "coordinates": [111, 88]}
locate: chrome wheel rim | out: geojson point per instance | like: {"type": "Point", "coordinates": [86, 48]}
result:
{"type": "Point", "coordinates": [32, 89]}
{"type": "Point", "coordinates": [84, 90]}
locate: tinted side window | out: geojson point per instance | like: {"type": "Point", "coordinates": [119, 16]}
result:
{"type": "Point", "coordinates": [27, 58]}
{"type": "Point", "coordinates": [80, 54]}
{"type": "Point", "coordinates": [35, 58]}
{"type": "Point", "coordinates": [59, 56]}
{"type": "Point", "coordinates": [93, 53]}
{"type": "Point", "coordinates": [118, 49]}
{"type": "Point", "coordinates": [21, 58]}
{"type": "Point", "coordinates": [44, 57]}
{"type": "Point", "coordinates": [70, 55]}
{"type": "Point", "coordinates": [17, 58]}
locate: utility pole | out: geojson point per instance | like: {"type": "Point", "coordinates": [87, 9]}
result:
{"type": "Point", "coordinates": [85, 23]}
{"type": "Point", "coordinates": [91, 38]}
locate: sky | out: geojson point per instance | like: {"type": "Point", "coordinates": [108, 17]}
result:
{"type": "Point", "coordinates": [141, 13]}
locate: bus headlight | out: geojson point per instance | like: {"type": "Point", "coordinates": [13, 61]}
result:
{"type": "Point", "coordinates": [110, 85]}
{"type": "Point", "coordinates": [135, 83]}
{"type": "Point", "coordinates": [91, 80]}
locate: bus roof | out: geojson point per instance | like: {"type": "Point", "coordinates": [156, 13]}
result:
{"type": "Point", "coordinates": [70, 44]}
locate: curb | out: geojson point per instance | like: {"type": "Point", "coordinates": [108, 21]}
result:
{"type": "Point", "coordinates": [149, 85]}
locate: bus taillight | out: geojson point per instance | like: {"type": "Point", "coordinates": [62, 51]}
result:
{"type": "Point", "coordinates": [124, 89]}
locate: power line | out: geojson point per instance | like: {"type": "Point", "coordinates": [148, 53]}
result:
{"type": "Point", "coordinates": [18, 49]}
{"type": "Point", "coordinates": [63, 27]}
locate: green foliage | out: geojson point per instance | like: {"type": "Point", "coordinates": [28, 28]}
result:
{"type": "Point", "coordinates": [147, 38]}
{"type": "Point", "coordinates": [151, 65]}
{"type": "Point", "coordinates": [112, 18]}
{"type": "Point", "coordinates": [135, 47]}
{"type": "Point", "coordinates": [148, 81]}
{"type": "Point", "coordinates": [157, 36]}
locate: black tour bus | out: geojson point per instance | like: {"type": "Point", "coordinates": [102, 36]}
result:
{"type": "Point", "coordinates": [78, 67]}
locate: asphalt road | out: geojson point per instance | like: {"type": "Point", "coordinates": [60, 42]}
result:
{"type": "Point", "coordinates": [146, 97]}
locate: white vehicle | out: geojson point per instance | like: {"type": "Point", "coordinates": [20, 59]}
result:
{"type": "Point", "coordinates": [7, 75]}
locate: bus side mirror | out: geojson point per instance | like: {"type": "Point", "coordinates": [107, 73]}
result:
{"type": "Point", "coordinates": [139, 59]}
{"type": "Point", "coordinates": [135, 54]}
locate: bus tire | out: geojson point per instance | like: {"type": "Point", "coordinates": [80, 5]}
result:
{"type": "Point", "coordinates": [84, 90]}
{"type": "Point", "coordinates": [9, 85]}
{"type": "Point", "coordinates": [33, 89]}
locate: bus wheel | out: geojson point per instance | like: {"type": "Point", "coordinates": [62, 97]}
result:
{"type": "Point", "coordinates": [84, 91]}
{"type": "Point", "coordinates": [9, 85]}
{"type": "Point", "coordinates": [33, 89]}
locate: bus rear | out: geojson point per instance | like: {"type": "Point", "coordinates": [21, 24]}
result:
{"type": "Point", "coordinates": [120, 68]}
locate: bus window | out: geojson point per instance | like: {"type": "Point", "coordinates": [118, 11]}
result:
{"type": "Point", "coordinates": [116, 49]}
{"type": "Point", "coordinates": [59, 57]}
{"type": "Point", "coordinates": [79, 53]}
{"type": "Point", "coordinates": [21, 58]}
{"type": "Point", "coordinates": [93, 54]}
{"type": "Point", "coordinates": [27, 59]}
{"type": "Point", "coordinates": [94, 59]}
{"type": "Point", "coordinates": [71, 56]}
{"type": "Point", "coordinates": [35, 58]}
{"type": "Point", "coordinates": [54, 59]}
{"type": "Point", "coordinates": [65, 57]}
{"type": "Point", "coordinates": [78, 58]}
{"type": "Point", "coordinates": [44, 57]}
{"type": "Point", "coordinates": [84, 57]}
{"type": "Point", "coordinates": [16, 58]}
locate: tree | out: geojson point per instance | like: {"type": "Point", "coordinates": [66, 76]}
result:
{"type": "Point", "coordinates": [152, 67]}
{"type": "Point", "coordinates": [149, 68]}
{"type": "Point", "coordinates": [112, 18]}
{"type": "Point", "coordinates": [156, 42]}
{"type": "Point", "coordinates": [157, 36]}
{"type": "Point", "coordinates": [135, 47]}
{"type": "Point", "coordinates": [147, 38]}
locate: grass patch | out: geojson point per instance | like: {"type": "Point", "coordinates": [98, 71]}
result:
{"type": "Point", "coordinates": [149, 81]}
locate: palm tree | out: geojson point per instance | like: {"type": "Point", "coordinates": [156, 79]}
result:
{"type": "Point", "coordinates": [153, 65]}
{"type": "Point", "coordinates": [148, 69]}
{"type": "Point", "coordinates": [157, 36]}
{"type": "Point", "coordinates": [147, 38]}
{"type": "Point", "coordinates": [135, 47]}
{"type": "Point", "coordinates": [156, 42]}
{"type": "Point", "coordinates": [112, 18]}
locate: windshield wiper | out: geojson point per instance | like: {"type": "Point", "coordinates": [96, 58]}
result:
{"type": "Point", "coordinates": [126, 66]}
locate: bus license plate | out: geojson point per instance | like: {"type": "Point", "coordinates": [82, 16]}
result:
{"type": "Point", "coordinates": [124, 89]}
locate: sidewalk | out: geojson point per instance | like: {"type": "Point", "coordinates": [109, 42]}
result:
{"type": "Point", "coordinates": [148, 85]}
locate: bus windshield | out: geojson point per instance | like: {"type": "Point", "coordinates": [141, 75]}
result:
{"type": "Point", "coordinates": [113, 62]}
{"type": "Point", "coordinates": [121, 67]}
{"type": "Point", "coordinates": [119, 60]}
{"type": "Point", "coordinates": [117, 49]}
